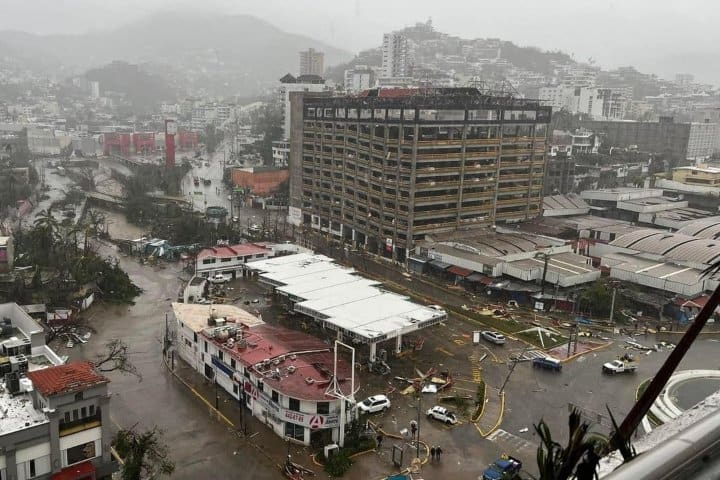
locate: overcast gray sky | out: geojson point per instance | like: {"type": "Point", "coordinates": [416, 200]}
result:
{"type": "Point", "coordinates": [654, 35]}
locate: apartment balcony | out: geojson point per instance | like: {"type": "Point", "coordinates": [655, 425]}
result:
{"type": "Point", "coordinates": [428, 185]}
{"type": "Point", "coordinates": [481, 156]}
{"type": "Point", "coordinates": [437, 170]}
{"type": "Point", "coordinates": [439, 156]}
{"type": "Point", "coordinates": [435, 213]}
{"type": "Point", "coordinates": [515, 214]}
{"type": "Point", "coordinates": [440, 142]}
{"type": "Point", "coordinates": [512, 140]}
{"type": "Point", "coordinates": [479, 210]}
{"type": "Point", "coordinates": [515, 164]}
{"type": "Point", "coordinates": [434, 227]}
{"type": "Point", "coordinates": [482, 141]}
{"type": "Point", "coordinates": [514, 177]}
{"type": "Point", "coordinates": [513, 189]}
{"type": "Point", "coordinates": [516, 151]}
{"type": "Point", "coordinates": [439, 199]}
{"type": "Point", "coordinates": [488, 195]}
{"type": "Point", "coordinates": [512, 202]}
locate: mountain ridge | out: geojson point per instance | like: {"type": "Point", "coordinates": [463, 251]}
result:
{"type": "Point", "coordinates": [233, 46]}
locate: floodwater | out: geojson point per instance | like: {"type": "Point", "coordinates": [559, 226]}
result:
{"type": "Point", "coordinates": [119, 227]}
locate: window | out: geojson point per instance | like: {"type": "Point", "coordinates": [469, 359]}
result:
{"type": "Point", "coordinates": [91, 409]}
{"type": "Point", "coordinates": [323, 407]}
{"type": "Point", "coordinates": [75, 415]}
{"type": "Point", "coordinates": [205, 341]}
{"type": "Point", "coordinates": [195, 337]}
{"type": "Point", "coordinates": [78, 396]}
{"type": "Point", "coordinates": [275, 396]}
{"type": "Point", "coordinates": [235, 388]}
{"type": "Point", "coordinates": [83, 412]}
{"type": "Point", "coordinates": [232, 363]}
{"type": "Point", "coordinates": [225, 260]}
{"type": "Point", "coordinates": [260, 255]}
{"type": "Point", "coordinates": [294, 404]}
{"type": "Point", "coordinates": [67, 417]}
{"type": "Point", "coordinates": [295, 432]}
{"type": "Point", "coordinates": [220, 355]}
{"type": "Point", "coordinates": [33, 472]}
{"type": "Point", "coordinates": [208, 261]}
{"type": "Point", "coordinates": [81, 452]}
{"type": "Point", "coordinates": [260, 386]}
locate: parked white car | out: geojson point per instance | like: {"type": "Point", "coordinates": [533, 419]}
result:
{"type": "Point", "coordinates": [442, 414]}
{"type": "Point", "coordinates": [219, 278]}
{"type": "Point", "coordinates": [376, 403]}
{"type": "Point", "coordinates": [493, 337]}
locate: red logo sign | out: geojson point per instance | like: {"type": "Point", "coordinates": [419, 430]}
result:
{"type": "Point", "coordinates": [316, 421]}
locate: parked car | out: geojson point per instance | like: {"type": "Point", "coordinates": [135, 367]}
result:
{"type": "Point", "coordinates": [442, 414]}
{"type": "Point", "coordinates": [376, 403]}
{"type": "Point", "coordinates": [219, 278]}
{"type": "Point", "coordinates": [548, 363]}
{"type": "Point", "coordinates": [503, 469]}
{"type": "Point", "coordinates": [619, 366]}
{"type": "Point", "coordinates": [493, 337]}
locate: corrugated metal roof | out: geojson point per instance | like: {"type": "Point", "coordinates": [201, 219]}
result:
{"type": "Point", "coordinates": [672, 245]}
{"type": "Point", "coordinates": [703, 228]}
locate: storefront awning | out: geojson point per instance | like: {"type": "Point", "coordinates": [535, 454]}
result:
{"type": "Point", "coordinates": [459, 271]}
{"type": "Point", "coordinates": [81, 470]}
{"type": "Point", "coordinates": [439, 264]}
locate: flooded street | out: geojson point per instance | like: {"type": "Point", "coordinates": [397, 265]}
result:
{"type": "Point", "coordinates": [200, 446]}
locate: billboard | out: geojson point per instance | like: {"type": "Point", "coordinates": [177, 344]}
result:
{"type": "Point", "coordinates": [294, 216]}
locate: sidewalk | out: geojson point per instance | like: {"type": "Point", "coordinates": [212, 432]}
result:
{"type": "Point", "coordinates": [493, 412]}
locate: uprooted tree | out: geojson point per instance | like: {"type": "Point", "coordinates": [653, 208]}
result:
{"type": "Point", "coordinates": [144, 454]}
{"type": "Point", "coordinates": [115, 359]}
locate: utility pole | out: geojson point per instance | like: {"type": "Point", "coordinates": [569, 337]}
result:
{"type": "Point", "coordinates": [612, 306]}
{"type": "Point", "coordinates": [417, 438]}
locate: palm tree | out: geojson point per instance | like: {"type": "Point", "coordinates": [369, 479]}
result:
{"type": "Point", "coordinates": [45, 236]}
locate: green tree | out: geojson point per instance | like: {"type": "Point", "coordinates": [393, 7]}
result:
{"type": "Point", "coordinates": [598, 299]}
{"type": "Point", "coordinates": [144, 454]}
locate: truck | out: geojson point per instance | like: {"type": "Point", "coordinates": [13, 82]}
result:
{"type": "Point", "coordinates": [619, 366]}
{"type": "Point", "coordinates": [505, 468]}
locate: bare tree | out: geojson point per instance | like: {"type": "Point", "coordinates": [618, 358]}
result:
{"type": "Point", "coordinates": [144, 454]}
{"type": "Point", "coordinates": [115, 359]}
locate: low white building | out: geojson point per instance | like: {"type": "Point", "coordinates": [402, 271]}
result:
{"type": "Point", "coordinates": [229, 259]}
{"type": "Point", "coordinates": [281, 376]}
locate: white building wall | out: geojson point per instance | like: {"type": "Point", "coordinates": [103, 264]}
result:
{"type": "Point", "coordinates": [284, 93]}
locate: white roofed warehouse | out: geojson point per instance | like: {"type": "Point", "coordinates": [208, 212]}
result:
{"type": "Point", "coordinates": [342, 300]}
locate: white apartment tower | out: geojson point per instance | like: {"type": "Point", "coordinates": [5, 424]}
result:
{"type": "Point", "coordinates": [312, 62]}
{"type": "Point", "coordinates": [395, 55]}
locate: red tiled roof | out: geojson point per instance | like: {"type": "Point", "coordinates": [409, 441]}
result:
{"type": "Point", "coordinates": [313, 359]}
{"type": "Point", "coordinates": [232, 251]}
{"type": "Point", "coordinates": [71, 377]}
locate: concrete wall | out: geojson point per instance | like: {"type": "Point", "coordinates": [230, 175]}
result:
{"type": "Point", "coordinates": [262, 182]}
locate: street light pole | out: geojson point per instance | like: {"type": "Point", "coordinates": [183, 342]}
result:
{"type": "Point", "coordinates": [417, 439]}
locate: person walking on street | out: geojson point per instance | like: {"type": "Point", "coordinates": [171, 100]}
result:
{"type": "Point", "coordinates": [379, 440]}
{"type": "Point", "coordinates": [432, 453]}
{"type": "Point", "coordinates": [438, 452]}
